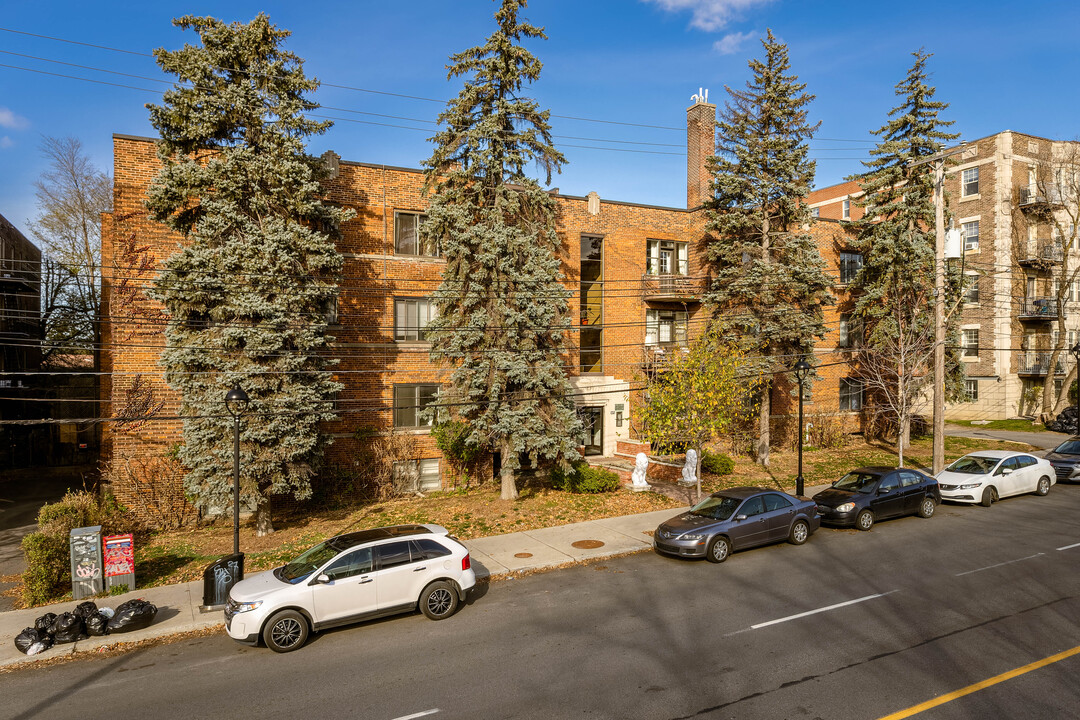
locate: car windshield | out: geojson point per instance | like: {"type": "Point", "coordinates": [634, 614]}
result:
{"type": "Point", "coordinates": [1069, 447]}
{"type": "Point", "coordinates": [308, 562]}
{"type": "Point", "coordinates": [717, 508]}
{"type": "Point", "coordinates": [973, 465]}
{"type": "Point", "coordinates": [857, 482]}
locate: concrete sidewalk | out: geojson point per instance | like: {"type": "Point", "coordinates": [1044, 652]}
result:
{"type": "Point", "coordinates": [499, 555]}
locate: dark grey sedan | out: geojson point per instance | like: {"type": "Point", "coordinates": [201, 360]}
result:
{"type": "Point", "coordinates": [735, 519]}
{"type": "Point", "coordinates": [1066, 460]}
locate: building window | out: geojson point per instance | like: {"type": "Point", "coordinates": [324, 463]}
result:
{"type": "Point", "coordinates": [330, 310]}
{"type": "Point", "coordinates": [846, 214]}
{"type": "Point", "coordinates": [407, 237]}
{"type": "Point", "coordinates": [409, 403]}
{"type": "Point", "coordinates": [665, 327]}
{"type": "Point", "coordinates": [969, 343]}
{"type": "Point", "coordinates": [412, 476]}
{"type": "Point", "coordinates": [969, 184]}
{"type": "Point", "coordinates": [591, 335]}
{"type": "Point", "coordinates": [666, 257]}
{"type": "Point", "coordinates": [851, 394]}
{"type": "Point", "coordinates": [971, 389]}
{"type": "Point", "coordinates": [850, 265]}
{"type": "Point", "coordinates": [971, 289]}
{"type": "Point", "coordinates": [850, 332]}
{"type": "Point", "coordinates": [411, 316]}
{"type": "Point", "coordinates": [970, 231]}
{"type": "Point", "coordinates": [815, 212]}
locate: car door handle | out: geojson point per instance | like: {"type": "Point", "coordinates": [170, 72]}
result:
{"type": "Point", "coordinates": [422, 567]}
{"type": "Point", "coordinates": [365, 580]}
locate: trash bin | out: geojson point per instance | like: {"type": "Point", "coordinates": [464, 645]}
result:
{"type": "Point", "coordinates": [218, 579]}
{"type": "Point", "coordinates": [86, 576]}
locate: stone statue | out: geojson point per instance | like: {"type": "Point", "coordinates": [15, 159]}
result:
{"type": "Point", "coordinates": [641, 468]}
{"type": "Point", "coordinates": [689, 471]}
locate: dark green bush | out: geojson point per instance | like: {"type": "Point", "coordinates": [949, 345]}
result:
{"type": "Point", "coordinates": [451, 437]}
{"type": "Point", "coordinates": [48, 561]}
{"type": "Point", "coordinates": [583, 478]}
{"type": "Point", "coordinates": [717, 464]}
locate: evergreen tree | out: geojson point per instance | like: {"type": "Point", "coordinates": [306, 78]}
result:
{"type": "Point", "coordinates": [770, 282]}
{"type": "Point", "coordinates": [247, 293]}
{"type": "Point", "coordinates": [894, 290]}
{"type": "Point", "coordinates": [502, 308]}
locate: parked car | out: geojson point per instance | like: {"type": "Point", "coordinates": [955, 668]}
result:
{"type": "Point", "coordinates": [735, 519]}
{"type": "Point", "coordinates": [985, 476]}
{"type": "Point", "coordinates": [348, 578]}
{"type": "Point", "coordinates": [1065, 459]}
{"type": "Point", "coordinates": [868, 494]}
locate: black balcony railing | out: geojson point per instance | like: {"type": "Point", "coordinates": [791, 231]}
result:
{"type": "Point", "coordinates": [1031, 195]}
{"type": "Point", "coordinates": [1038, 363]}
{"type": "Point", "coordinates": [1039, 309]}
{"type": "Point", "coordinates": [1046, 253]}
{"type": "Point", "coordinates": [685, 288]}
{"type": "Point", "coordinates": [658, 356]}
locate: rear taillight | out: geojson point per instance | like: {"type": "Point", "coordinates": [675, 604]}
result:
{"type": "Point", "coordinates": [466, 563]}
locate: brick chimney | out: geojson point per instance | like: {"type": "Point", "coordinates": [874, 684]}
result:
{"type": "Point", "coordinates": [700, 145]}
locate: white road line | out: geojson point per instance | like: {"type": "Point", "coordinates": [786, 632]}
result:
{"type": "Point", "coordinates": [1007, 562]}
{"type": "Point", "coordinates": [820, 610]}
{"type": "Point", "coordinates": [417, 715]}
{"type": "Point", "coordinates": [1069, 547]}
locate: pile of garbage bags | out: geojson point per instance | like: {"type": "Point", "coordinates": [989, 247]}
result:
{"type": "Point", "coordinates": [86, 620]}
{"type": "Point", "coordinates": [1065, 422]}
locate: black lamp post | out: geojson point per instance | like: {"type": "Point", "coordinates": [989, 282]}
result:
{"type": "Point", "coordinates": [801, 370]}
{"type": "Point", "coordinates": [237, 403]}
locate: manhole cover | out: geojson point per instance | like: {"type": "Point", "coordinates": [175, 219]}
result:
{"type": "Point", "coordinates": [587, 544]}
{"type": "Point", "coordinates": [523, 555]}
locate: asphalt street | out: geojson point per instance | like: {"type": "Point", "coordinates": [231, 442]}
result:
{"type": "Point", "coordinates": [850, 625]}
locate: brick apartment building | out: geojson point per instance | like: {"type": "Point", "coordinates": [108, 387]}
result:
{"type": "Point", "coordinates": [998, 194]}
{"type": "Point", "coordinates": [637, 274]}
{"type": "Point", "coordinates": [20, 345]}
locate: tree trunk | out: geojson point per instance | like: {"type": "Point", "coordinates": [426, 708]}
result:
{"type": "Point", "coordinates": [506, 473]}
{"type": "Point", "coordinates": [697, 474]}
{"type": "Point", "coordinates": [263, 526]}
{"type": "Point", "coordinates": [903, 437]}
{"type": "Point", "coordinates": [763, 425]}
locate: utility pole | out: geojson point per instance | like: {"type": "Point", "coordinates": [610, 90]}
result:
{"type": "Point", "coordinates": [938, 159]}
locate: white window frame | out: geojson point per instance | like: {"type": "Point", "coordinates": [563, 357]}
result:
{"type": "Point", "coordinates": [420, 309]}
{"type": "Point", "coordinates": [672, 322]}
{"type": "Point", "coordinates": [971, 288]}
{"type": "Point", "coordinates": [680, 251]}
{"type": "Point", "coordinates": [417, 240]}
{"type": "Point", "coordinates": [969, 351]}
{"type": "Point", "coordinates": [971, 389]}
{"type": "Point", "coordinates": [404, 405]}
{"type": "Point", "coordinates": [969, 229]}
{"type": "Point", "coordinates": [845, 212]}
{"type": "Point", "coordinates": [969, 181]}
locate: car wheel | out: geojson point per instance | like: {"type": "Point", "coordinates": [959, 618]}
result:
{"type": "Point", "coordinates": [988, 497]}
{"type": "Point", "coordinates": [800, 531]}
{"type": "Point", "coordinates": [439, 600]}
{"type": "Point", "coordinates": [286, 631]}
{"type": "Point", "coordinates": [718, 550]}
{"type": "Point", "coordinates": [865, 520]}
{"type": "Point", "coordinates": [926, 509]}
{"type": "Point", "coordinates": [1043, 487]}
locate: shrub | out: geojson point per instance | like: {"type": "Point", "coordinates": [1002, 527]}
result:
{"type": "Point", "coordinates": [717, 464]}
{"type": "Point", "coordinates": [583, 478]}
{"type": "Point", "coordinates": [48, 559]}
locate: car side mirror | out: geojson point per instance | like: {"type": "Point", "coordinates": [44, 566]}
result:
{"type": "Point", "coordinates": [321, 579]}
{"type": "Point", "coordinates": [883, 491]}
{"type": "Point", "coordinates": [740, 518]}
{"type": "Point", "coordinates": [1005, 471]}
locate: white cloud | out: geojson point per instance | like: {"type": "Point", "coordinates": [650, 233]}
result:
{"type": "Point", "coordinates": [732, 42]}
{"type": "Point", "coordinates": [6, 142]}
{"type": "Point", "coordinates": [12, 121]}
{"type": "Point", "coordinates": [710, 15]}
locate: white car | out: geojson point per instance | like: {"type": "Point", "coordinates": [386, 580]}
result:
{"type": "Point", "coordinates": [988, 475]}
{"type": "Point", "coordinates": [348, 578]}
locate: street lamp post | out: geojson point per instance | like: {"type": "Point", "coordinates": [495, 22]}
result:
{"type": "Point", "coordinates": [236, 402]}
{"type": "Point", "coordinates": [1076, 355]}
{"type": "Point", "coordinates": [801, 370]}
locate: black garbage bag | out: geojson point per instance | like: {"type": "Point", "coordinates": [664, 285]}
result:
{"type": "Point", "coordinates": [44, 623]}
{"type": "Point", "coordinates": [26, 638]}
{"type": "Point", "coordinates": [132, 615]}
{"type": "Point", "coordinates": [97, 624]}
{"type": "Point", "coordinates": [85, 609]}
{"type": "Point", "coordinates": [68, 628]}
{"type": "Point", "coordinates": [1065, 422]}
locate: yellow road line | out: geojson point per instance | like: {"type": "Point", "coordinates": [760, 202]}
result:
{"type": "Point", "coordinates": [949, 697]}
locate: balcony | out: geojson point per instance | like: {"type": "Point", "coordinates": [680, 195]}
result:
{"type": "Point", "coordinates": [1031, 197]}
{"type": "Point", "coordinates": [1037, 364]}
{"type": "Point", "coordinates": [1043, 309]}
{"type": "Point", "coordinates": [658, 357]}
{"type": "Point", "coordinates": [1045, 254]}
{"type": "Point", "coordinates": [673, 288]}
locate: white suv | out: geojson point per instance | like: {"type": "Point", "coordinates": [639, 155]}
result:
{"type": "Point", "coordinates": [348, 578]}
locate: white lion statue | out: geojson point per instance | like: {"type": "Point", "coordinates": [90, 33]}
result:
{"type": "Point", "coordinates": [641, 468]}
{"type": "Point", "coordinates": [689, 471]}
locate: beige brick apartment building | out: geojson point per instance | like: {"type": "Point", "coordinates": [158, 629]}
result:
{"type": "Point", "coordinates": [1002, 194]}
{"type": "Point", "coordinates": [636, 273]}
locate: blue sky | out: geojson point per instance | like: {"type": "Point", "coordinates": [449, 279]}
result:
{"type": "Point", "coordinates": [627, 63]}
